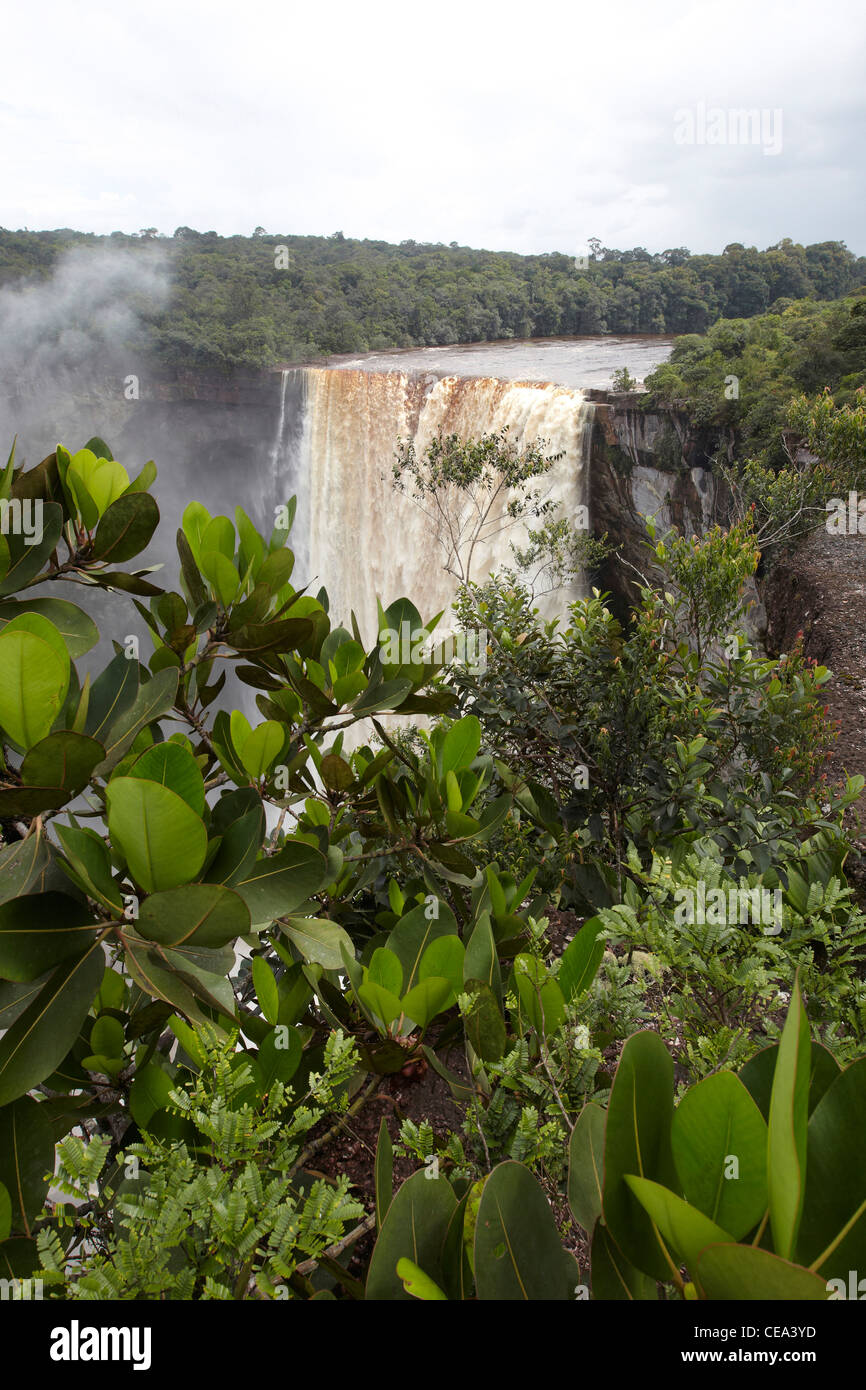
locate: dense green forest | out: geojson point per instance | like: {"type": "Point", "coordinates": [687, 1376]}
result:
{"type": "Point", "coordinates": [244, 301]}
{"type": "Point", "coordinates": [744, 372]}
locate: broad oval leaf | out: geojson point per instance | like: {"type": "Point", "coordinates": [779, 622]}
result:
{"type": "Point", "coordinates": [64, 760]}
{"type": "Point", "coordinates": [162, 839]}
{"type": "Point", "coordinates": [585, 1164]}
{"type": "Point", "coordinates": [277, 884]}
{"type": "Point", "coordinates": [206, 914]}
{"type": "Point", "coordinates": [638, 1141]}
{"type": "Point", "coordinates": [77, 629]}
{"type": "Point", "coordinates": [34, 680]}
{"type": "Point", "coordinates": [261, 747]}
{"type": "Point", "coordinates": [746, 1272]}
{"type": "Point", "coordinates": [684, 1229]}
{"type": "Point", "coordinates": [518, 1251]}
{"type": "Point", "coordinates": [719, 1141]}
{"type": "Point", "coordinates": [39, 931]}
{"type": "Point", "coordinates": [834, 1209]}
{"type": "Point", "coordinates": [174, 767]}
{"type": "Point", "coordinates": [414, 1229]}
{"type": "Point", "coordinates": [26, 1160]}
{"type": "Point", "coordinates": [126, 527]}
{"type": "Point", "coordinates": [319, 940]}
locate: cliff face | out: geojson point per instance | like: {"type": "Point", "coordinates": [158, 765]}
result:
{"type": "Point", "coordinates": [651, 463]}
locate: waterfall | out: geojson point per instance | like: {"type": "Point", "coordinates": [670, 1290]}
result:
{"type": "Point", "coordinates": [277, 446]}
{"type": "Point", "coordinates": [361, 537]}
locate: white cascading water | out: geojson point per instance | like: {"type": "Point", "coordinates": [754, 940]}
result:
{"type": "Point", "coordinates": [360, 538]}
{"type": "Point", "coordinates": [277, 446]}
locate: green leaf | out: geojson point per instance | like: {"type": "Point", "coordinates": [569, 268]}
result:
{"type": "Point", "coordinates": [126, 528]}
{"type": "Point", "coordinates": [23, 866]}
{"type": "Point", "coordinates": [201, 914]}
{"type": "Point", "coordinates": [241, 842]}
{"type": "Point", "coordinates": [34, 679]}
{"type": "Point", "coordinates": [279, 1063]}
{"type": "Point", "coordinates": [318, 940]}
{"type": "Point", "coordinates": [261, 747]}
{"type": "Point", "coordinates": [833, 1228]}
{"type": "Point", "coordinates": [387, 695]}
{"type": "Point", "coordinates": [149, 1093]}
{"type": "Point", "coordinates": [95, 483]}
{"type": "Point", "coordinates": [481, 961]}
{"type": "Point", "coordinates": [684, 1229]}
{"type": "Point", "coordinates": [461, 745]}
{"type": "Point", "coordinates": [541, 999]}
{"type": "Point", "coordinates": [411, 936]}
{"type": "Point", "coordinates": [419, 1284]}
{"type": "Point", "coordinates": [160, 976]}
{"type": "Point", "coordinates": [385, 970]}
{"type": "Point", "coordinates": [27, 561]}
{"type": "Point", "coordinates": [279, 883]}
{"type": "Point", "coordinates": [719, 1142]}
{"type": "Point", "coordinates": [106, 1036]}
{"type": "Point", "coordinates": [111, 694]}
{"type": "Point", "coordinates": [748, 1273]}
{"type": "Point", "coordinates": [444, 957]}
{"type": "Point", "coordinates": [787, 1139]}
{"type": "Point", "coordinates": [127, 583]}
{"type": "Point", "coordinates": [194, 521]}
{"type": "Point", "coordinates": [585, 1166]}
{"type": "Point", "coordinates": [581, 959]}
{"type": "Point", "coordinates": [26, 1161]}
{"type": "Point", "coordinates": [427, 999]}
{"type": "Point", "coordinates": [381, 1002]}
{"type": "Point", "coordinates": [219, 535]}
{"type": "Point", "coordinates": [151, 702]}
{"type": "Point", "coordinates": [266, 989]}
{"type": "Point", "coordinates": [88, 865]}
{"type": "Point", "coordinates": [336, 773]}
{"type": "Point", "coordinates": [39, 931]}
{"type": "Point", "coordinates": [174, 767]}
{"type": "Point", "coordinates": [384, 1173]}
{"type": "Point", "coordinates": [613, 1278]}
{"type": "Point", "coordinates": [40, 1038]}
{"type": "Point", "coordinates": [5, 1213]}
{"type": "Point", "coordinates": [757, 1075]}
{"type": "Point", "coordinates": [189, 570]}
{"type": "Point", "coordinates": [162, 839]}
{"type": "Point", "coordinates": [414, 1229]}
{"type": "Point", "coordinates": [224, 578]}
{"type": "Point", "coordinates": [518, 1252]}
{"type": "Point", "coordinates": [63, 761]}
{"type": "Point", "coordinates": [485, 1026]}
{"type": "Point", "coordinates": [638, 1141]}
{"type": "Point", "coordinates": [78, 631]}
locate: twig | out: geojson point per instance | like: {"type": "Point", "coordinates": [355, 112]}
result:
{"type": "Point", "coordinates": [332, 1133]}
{"type": "Point", "coordinates": [337, 1249]}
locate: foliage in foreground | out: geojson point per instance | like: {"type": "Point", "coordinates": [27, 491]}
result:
{"type": "Point", "coordinates": [216, 934]}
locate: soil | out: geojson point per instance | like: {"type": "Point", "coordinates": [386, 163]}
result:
{"type": "Point", "coordinates": [353, 1150]}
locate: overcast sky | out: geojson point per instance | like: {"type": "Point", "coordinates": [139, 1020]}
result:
{"type": "Point", "coordinates": [525, 128]}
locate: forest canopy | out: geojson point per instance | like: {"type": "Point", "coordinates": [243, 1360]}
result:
{"type": "Point", "coordinates": [271, 298]}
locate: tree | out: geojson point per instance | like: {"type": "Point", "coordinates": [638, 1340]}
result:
{"type": "Point", "coordinates": [622, 380]}
{"type": "Point", "coordinates": [472, 489]}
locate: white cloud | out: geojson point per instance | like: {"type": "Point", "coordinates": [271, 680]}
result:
{"type": "Point", "coordinates": [523, 127]}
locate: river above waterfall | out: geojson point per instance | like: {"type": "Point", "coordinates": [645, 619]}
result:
{"type": "Point", "coordinates": [582, 363]}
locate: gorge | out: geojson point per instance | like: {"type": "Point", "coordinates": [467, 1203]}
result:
{"type": "Point", "coordinates": [327, 433]}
